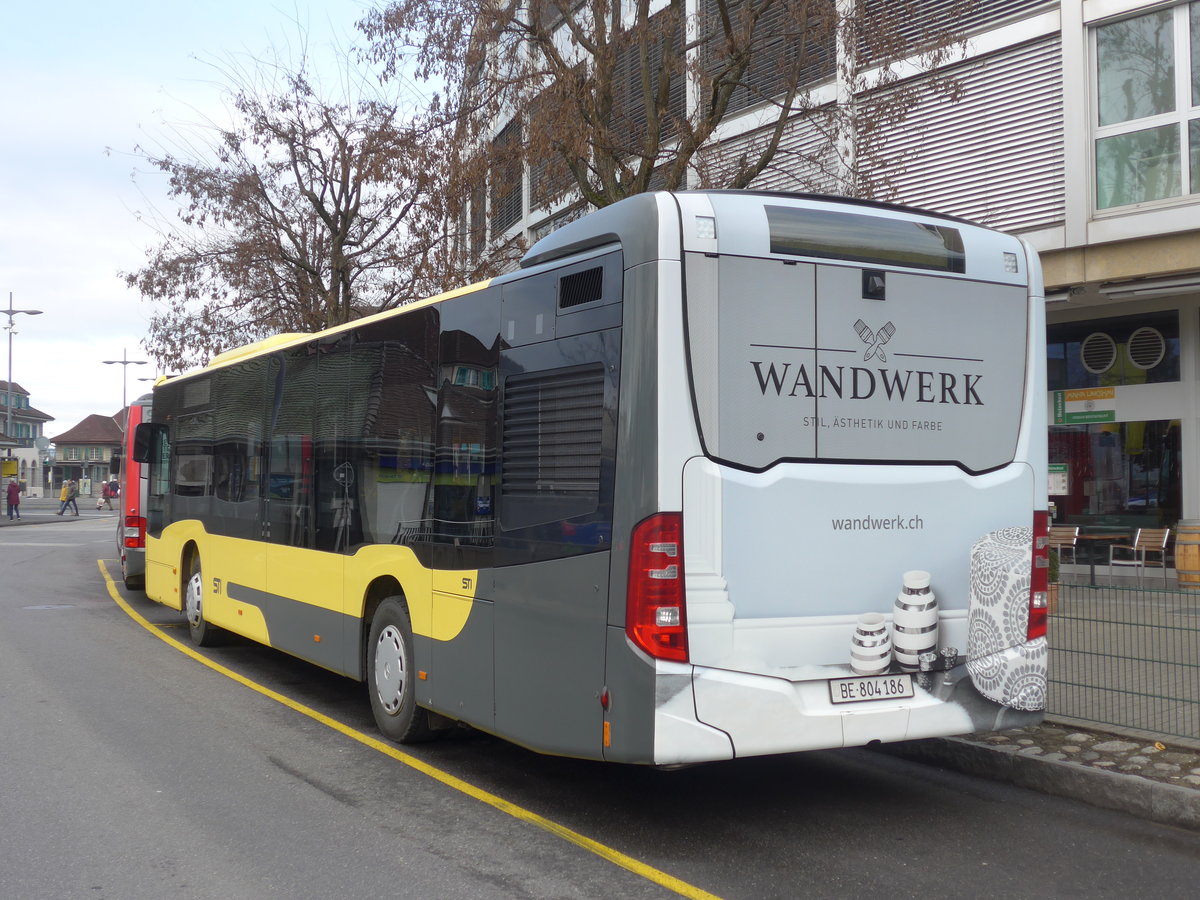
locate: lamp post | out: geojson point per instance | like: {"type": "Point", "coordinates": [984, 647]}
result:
{"type": "Point", "coordinates": [124, 362]}
{"type": "Point", "coordinates": [10, 312]}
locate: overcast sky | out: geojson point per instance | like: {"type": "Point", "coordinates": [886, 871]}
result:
{"type": "Point", "coordinates": [82, 83]}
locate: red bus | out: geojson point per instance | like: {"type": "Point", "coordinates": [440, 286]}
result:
{"type": "Point", "coordinates": [132, 476]}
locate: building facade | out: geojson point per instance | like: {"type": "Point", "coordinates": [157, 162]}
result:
{"type": "Point", "coordinates": [1077, 127]}
{"type": "Point", "coordinates": [86, 451]}
{"type": "Point", "coordinates": [21, 445]}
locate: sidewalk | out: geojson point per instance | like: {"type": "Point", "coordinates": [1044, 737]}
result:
{"type": "Point", "coordinates": [1153, 779]}
{"type": "Point", "coordinates": [40, 510]}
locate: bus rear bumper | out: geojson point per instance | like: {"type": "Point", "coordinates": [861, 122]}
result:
{"type": "Point", "coordinates": [763, 714]}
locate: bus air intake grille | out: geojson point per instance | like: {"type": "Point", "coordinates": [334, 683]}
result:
{"type": "Point", "coordinates": [581, 287]}
{"type": "Point", "coordinates": [553, 432]}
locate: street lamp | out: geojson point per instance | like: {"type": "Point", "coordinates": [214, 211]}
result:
{"type": "Point", "coordinates": [10, 312]}
{"type": "Point", "coordinates": [124, 362]}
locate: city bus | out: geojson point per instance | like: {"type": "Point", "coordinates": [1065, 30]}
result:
{"type": "Point", "coordinates": [131, 475]}
{"type": "Point", "coordinates": [633, 500]}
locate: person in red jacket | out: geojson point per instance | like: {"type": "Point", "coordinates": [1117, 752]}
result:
{"type": "Point", "coordinates": [14, 499]}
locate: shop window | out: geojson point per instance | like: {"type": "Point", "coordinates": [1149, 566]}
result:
{"type": "Point", "coordinates": [1141, 349]}
{"type": "Point", "coordinates": [1124, 474]}
{"type": "Point", "coordinates": [1147, 137]}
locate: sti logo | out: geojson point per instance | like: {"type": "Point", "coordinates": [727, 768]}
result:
{"type": "Point", "coordinates": [874, 339]}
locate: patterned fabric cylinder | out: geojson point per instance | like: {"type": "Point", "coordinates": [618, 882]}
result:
{"type": "Point", "coordinates": [915, 623]}
{"type": "Point", "coordinates": [871, 646]}
{"type": "Point", "coordinates": [1005, 666]}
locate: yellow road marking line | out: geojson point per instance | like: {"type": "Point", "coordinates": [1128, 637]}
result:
{"type": "Point", "coordinates": [616, 857]}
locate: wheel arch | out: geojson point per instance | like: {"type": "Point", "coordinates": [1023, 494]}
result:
{"type": "Point", "coordinates": [189, 552]}
{"type": "Point", "coordinates": [377, 591]}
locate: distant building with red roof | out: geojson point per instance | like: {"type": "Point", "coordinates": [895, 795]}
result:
{"type": "Point", "coordinates": [85, 452]}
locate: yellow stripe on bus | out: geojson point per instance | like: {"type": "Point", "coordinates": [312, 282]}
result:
{"type": "Point", "coordinates": [616, 857]}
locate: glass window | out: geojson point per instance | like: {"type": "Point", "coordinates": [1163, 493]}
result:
{"type": "Point", "coordinates": [1121, 474]}
{"type": "Point", "coordinates": [1194, 142]}
{"type": "Point", "coordinates": [376, 419]}
{"type": "Point", "coordinates": [1134, 168]}
{"type": "Point", "coordinates": [1136, 65]}
{"type": "Point", "coordinates": [1146, 107]}
{"type": "Point", "coordinates": [1195, 26]}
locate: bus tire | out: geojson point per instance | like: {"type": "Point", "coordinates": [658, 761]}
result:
{"type": "Point", "coordinates": [202, 633]}
{"type": "Point", "coordinates": [391, 676]}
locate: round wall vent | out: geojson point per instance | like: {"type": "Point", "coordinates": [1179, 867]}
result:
{"type": "Point", "coordinates": [1098, 352]}
{"type": "Point", "coordinates": [1146, 347]}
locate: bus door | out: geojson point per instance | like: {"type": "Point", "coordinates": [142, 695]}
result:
{"type": "Point", "coordinates": [306, 588]}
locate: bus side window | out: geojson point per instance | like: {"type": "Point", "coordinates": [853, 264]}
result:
{"type": "Point", "coordinates": [463, 513]}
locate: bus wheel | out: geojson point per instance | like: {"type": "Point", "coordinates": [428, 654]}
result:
{"type": "Point", "coordinates": [391, 676]}
{"type": "Point", "coordinates": [202, 633]}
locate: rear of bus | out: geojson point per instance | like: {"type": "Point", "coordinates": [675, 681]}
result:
{"type": "Point", "coordinates": [131, 523]}
{"type": "Point", "coordinates": [818, 397]}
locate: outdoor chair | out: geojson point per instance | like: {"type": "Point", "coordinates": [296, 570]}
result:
{"type": "Point", "coordinates": [1062, 541]}
{"type": "Point", "coordinates": [1146, 541]}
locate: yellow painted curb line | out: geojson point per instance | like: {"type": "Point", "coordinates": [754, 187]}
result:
{"type": "Point", "coordinates": [615, 857]}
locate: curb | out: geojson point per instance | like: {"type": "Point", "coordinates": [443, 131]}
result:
{"type": "Point", "coordinates": [1167, 804]}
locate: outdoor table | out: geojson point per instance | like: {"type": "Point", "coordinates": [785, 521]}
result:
{"type": "Point", "coordinates": [1095, 548]}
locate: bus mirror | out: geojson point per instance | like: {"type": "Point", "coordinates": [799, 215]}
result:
{"type": "Point", "coordinates": [143, 442]}
{"type": "Point", "coordinates": [115, 465]}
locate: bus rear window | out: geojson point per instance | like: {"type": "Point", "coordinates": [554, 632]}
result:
{"type": "Point", "coordinates": [828, 234]}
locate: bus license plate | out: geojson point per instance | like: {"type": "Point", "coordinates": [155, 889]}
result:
{"type": "Point", "coordinates": [872, 687]}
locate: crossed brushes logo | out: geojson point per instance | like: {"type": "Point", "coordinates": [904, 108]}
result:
{"type": "Point", "coordinates": [874, 339]}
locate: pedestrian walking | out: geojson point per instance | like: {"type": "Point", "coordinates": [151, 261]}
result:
{"type": "Point", "coordinates": [68, 496]}
{"type": "Point", "coordinates": [14, 499]}
{"type": "Point", "coordinates": [62, 499]}
{"type": "Point", "coordinates": [106, 495]}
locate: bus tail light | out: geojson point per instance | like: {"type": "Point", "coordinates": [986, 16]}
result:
{"type": "Point", "coordinates": [135, 532]}
{"type": "Point", "coordinates": [655, 617]}
{"type": "Point", "coordinates": [1039, 581]}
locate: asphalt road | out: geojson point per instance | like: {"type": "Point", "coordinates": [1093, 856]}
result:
{"type": "Point", "coordinates": [129, 769]}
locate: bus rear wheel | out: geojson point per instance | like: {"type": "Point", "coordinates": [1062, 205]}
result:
{"type": "Point", "coordinates": [391, 675]}
{"type": "Point", "coordinates": [201, 632]}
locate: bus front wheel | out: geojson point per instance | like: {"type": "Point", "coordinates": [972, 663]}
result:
{"type": "Point", "coordinates": [201, 632]}
{"type": "Point", "coordinates": [391, 676]}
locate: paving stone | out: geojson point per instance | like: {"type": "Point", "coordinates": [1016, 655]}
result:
{"type": "Point", "coordinates": [1114, 747]}
{"type": "Point", "coordinates": [1026, 742]}
{"type": "Point", "coordinates": [1078, 738]}
{"type": "Point", "coordinates": [1103, 764]}
{"type": "Point", "coordinates": [1174, 756]}
{"type": "Point", "coordinates": [1031, 751]}
{"type": "Point", "coordinates": [1138, 760]}
{"type": "Point", "coordinates": [1166, 767]}
{"type": "Point", "coordinates": [1191, 779]}
{"type": "Point", "coordinates": [1089, 755]}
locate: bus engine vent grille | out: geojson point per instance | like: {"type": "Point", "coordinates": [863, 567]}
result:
{"type": "Point", "coordinates": [553, 432]}
{"type": "Point", "coordinates": [581, 287]}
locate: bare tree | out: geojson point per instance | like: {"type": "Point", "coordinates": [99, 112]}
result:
{"type": "Point", "coordinates": [612, 97]}
{"type": "Point", "coordinates": [302, 214]}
